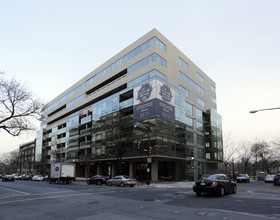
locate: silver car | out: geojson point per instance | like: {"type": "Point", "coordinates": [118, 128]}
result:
{"type": "Point", "coordinates": [122, 181]}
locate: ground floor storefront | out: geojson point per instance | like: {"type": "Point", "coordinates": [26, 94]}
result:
{"type": "Point", "coordinates": [158, 169]}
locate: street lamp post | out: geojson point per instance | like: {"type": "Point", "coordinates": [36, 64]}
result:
{"type": "Point", "coordinates": [232, 168]}
{"type": "Point", "coordinates": [255, 111]}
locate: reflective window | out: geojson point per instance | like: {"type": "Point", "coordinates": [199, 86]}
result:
{"type": "Point", "coordinates": [213, 99]}
{"type": "Point", "coordinates": [213, 89]}
{"type": "Point", "coordinates": [185, 91]}
{"type": "Point", "coordinates": [191, 83]}
{"type": "Point", "coordinates": [135, 52]}
{"type": "Point", "coordinates": [183, 63]}
{"type": "Point", "coordinates": [152, 58]}
{"type": "Point", "coordinates": [200, 140]}
{"type": "Point", "coordinates": [146, 76]}
{"type": "Point", "coordinates": [200, 102]}
{"type": "Point", "coordinates": [199, 77]}
{"type": "Point", "coordinates": [199, 126]}
{"type": "Point", "coordinates": [198, 114]}
{"type": "Point", "coordinates": [76, 100]}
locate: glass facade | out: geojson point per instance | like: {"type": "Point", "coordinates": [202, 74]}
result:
{"type": "Point", "coordinates": [191, 83]}
{"type": "Point", "coordinates": [102, 134]}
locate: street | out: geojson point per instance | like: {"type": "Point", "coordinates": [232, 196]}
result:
{"type": "Point", "coordinates": [41, 200]}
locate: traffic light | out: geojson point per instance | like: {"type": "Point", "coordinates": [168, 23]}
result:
{"type": "Point", "coordinates": [192, 155]}
{"type": "Point", "coordinates": [190, 162]}
{"type": "Point", "coordinates": [139, 144]}
{"type": "Point", "coordinates": [150, 150]}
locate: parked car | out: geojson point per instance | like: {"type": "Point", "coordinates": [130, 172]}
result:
{"type": "Point", "coordinates": [98, 180]}
{"type": "Point", "coordinates": [261, 176]}
{"type": "Point", "coordinates": [204, 176]}
{"type": "Point", "coordinates": [8, 178]}
{"type": "Point", "coordinates": [243, 178]}
{"type": "Point", "coordinates": [122, 181]}
{"type": "Point", "coordinates": [26, 177]}
{"type": "Point", "coordinates": [37, 178]}
{"type": "Point", "coordinates": [276, 180]}
{"type": "Point", "coordinates": [269, 179]}
{"type": "Point", "coordinates": [216, 183]}
{"type": "Point", "coordinates": [46, 178]}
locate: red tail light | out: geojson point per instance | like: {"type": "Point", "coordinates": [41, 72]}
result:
{"type": "Point", "coordinates": [214, 183]}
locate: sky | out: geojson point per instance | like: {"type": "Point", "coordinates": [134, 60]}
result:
{"type": "Point", "coordinates": [50, 45]}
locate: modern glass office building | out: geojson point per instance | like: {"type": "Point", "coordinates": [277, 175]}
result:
{"type": "Point", "coordinates": [148, 112]}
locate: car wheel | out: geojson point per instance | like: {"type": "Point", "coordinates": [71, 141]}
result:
{"type": "Point", "coordinates": [234, 190]}
{"type": "Point", "coordinates": [121, 184]}
{"type": "Point", "coordinates": [222, 191]}
{"type": "Point", "coordinates": [198, 193]}
{"type": "Point", "coordinates": [88, 182]}
{"type": "Point", "coordinates": [109, 183]}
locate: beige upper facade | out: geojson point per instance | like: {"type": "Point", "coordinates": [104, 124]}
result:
{"type": "Point", "coordinates": [58, 112]}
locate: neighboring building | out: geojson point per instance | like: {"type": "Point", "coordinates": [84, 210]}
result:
{"type": "Point", "coordinates": [149, 94]}
{"type": "Point", "coordinates": [27, 158]}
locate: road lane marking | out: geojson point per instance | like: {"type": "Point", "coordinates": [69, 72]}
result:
{"type": "Point", "coordinates": [48, 197]}
{"type": "Point", "coordinates": [15, 191]}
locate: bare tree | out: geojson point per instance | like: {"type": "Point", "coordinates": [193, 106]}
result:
{"type": "Point", "coordinates": [118, 136]}
{"type": "Point", "coordinates": [245, 154]}
{"type": "Point", "coordinates": [229, 148]}
{"type": "Point", "coordinates": [11, 162]}
{"type": "Point", "coordinates": [17, 107]}
{"type": "Point", "coordinates": [267, 153]}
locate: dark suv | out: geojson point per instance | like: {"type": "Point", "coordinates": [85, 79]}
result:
{"type": "Point", "coordinates": [276, 180]}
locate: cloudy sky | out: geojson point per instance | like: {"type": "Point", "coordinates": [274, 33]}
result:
{"type": "Point", "coordinates": [50, 45]}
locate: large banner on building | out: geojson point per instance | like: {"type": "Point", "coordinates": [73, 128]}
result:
{"type": "Point", "coordinates": [154, 99]}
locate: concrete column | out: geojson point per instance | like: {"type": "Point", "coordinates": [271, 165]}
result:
{"type": "Point", "coordinates": [154, 169]}
{"type": "Point", "coordinates": [113, 170]}
{"type": "Point", "coordinates": [98, 169]}
{"type": "Point", "coordinates": [131, 169]}
{"type": "Point", "coordinates": [87, 174]}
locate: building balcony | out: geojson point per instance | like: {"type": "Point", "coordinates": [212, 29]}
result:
{"type": "Point", "coordinates": [84, 145]}
{"type": "Point", "coordinates": [85, 132]}
{"type": "Point", "coordinates": [86, 120]}
{"type": "Point", "coordinates": [73, 144]}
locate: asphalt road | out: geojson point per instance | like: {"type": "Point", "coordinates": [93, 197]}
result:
{"type": "Point", "coordinates": [41, 200]}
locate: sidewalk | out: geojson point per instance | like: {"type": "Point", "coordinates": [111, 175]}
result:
{"type": "Point", "coordinates": [182, 184]}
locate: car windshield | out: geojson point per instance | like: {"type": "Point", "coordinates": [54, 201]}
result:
{"type": "Point", "coordinates": [242, 175]}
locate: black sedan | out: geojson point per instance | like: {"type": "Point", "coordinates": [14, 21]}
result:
{"type": "Point", "coordinates": [8, 178]}
{"type": "Point", "coordinates": [217, 183]}
{"type": "Point", "coordinates": [97, 179]}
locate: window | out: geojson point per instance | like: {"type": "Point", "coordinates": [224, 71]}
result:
{"type": "Point", "coordinates": [191, 83]}
{"type": "Point", "coordinates": [213, 89]}
{"type": "Point", "coordinates": [199, 126]}
{"type": "Point", "coordinates": [199, 77]}
{"type": "Point", "coordinates": [198, 114]}
{"type": "Point", "coordinates": [152, 58]}
{"type": "Point", "coordinates": [183, 63]}
{"type": "Point", "coordinates": [213, 99]}
{"type": "Point", "coordinates": [200, 102]}
{"type": "Point", "coordinates": [200, 140]}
